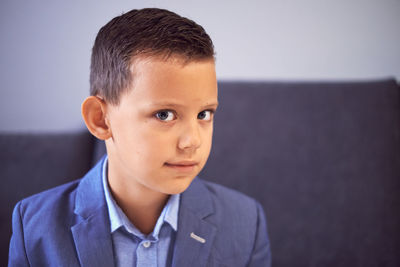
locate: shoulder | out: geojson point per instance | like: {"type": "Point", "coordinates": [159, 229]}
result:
{"type": "Point", "coordinates": [51, 196]}
{"type": "Point", "coordinates": [223, 204]}
{"type": "Point", "coordinates": [230, 200]}
{"type": "Point", "coordinates": [59, 203]}
{"type": "Point", "coordinates": [41, 224]}
{"type": "Point", "coordinates": [48, 206]}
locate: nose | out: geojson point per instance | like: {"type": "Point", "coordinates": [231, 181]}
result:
{"type": "Point", "coordinates": [190, 138]}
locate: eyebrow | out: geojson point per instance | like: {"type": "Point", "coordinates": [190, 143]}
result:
{"type": "Point", "coordinates": [169, 104]}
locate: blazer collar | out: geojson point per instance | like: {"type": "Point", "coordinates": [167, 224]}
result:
{"type": "Point", "coordinates": [90, 194]}
{"type": "Point", "coordinates": [195, 234]}
{"type": "Point", "coordinates": [92, 234]}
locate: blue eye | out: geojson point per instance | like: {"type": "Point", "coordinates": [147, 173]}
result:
{"type": "Point", "coordinates": [204, 115]}
{"type": "Point", "coordinates": [165, 115]}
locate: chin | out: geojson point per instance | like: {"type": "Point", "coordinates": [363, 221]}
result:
{"type": "Point", "coordinates": [179, 187]}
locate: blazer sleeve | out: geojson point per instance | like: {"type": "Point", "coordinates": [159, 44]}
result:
{"type": "Point", "coordinates": [17, 254]}
{"type": "Point", "coordinates": [261, 254]}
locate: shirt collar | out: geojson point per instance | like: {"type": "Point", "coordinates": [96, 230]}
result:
{"type": "Point", "coordinates": [118, 218]}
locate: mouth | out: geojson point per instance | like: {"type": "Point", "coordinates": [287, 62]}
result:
{"type": "Point", "coordinates": [182, 166]}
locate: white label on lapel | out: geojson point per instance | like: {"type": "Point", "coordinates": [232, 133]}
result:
{"type": "Point", "coordinates": [197, 238]}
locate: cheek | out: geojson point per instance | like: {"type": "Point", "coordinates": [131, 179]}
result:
{"type": "Point", "coordinates": [156, 145]}
{"type": "Point", "coordinates": [207, 140]}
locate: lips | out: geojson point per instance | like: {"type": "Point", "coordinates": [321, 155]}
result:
{"type": "Point", "coordinates": [184, 166]}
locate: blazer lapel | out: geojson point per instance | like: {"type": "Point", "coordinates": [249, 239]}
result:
{"type": "Point", "coordinates": [92, 235]}
{"type": "Point", "coordinates": [93, 242]}
{"type": "Point", "coordinates": [195, 235]}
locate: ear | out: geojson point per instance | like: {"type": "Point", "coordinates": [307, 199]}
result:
{"type": "Point", "coordinates": [94, 114]}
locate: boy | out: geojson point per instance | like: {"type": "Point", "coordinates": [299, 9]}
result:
{"type": "Point", "coordinates": [153, 98]}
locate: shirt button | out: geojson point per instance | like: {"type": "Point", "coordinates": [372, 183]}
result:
{"type": "Point", "coordinates": [146, 244]}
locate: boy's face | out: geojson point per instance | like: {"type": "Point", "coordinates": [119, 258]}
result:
{"type": "Point", "coordinates": [162, 128]}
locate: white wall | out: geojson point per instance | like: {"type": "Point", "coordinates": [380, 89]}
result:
{"type": "Point", "coordinates": [45, 47]}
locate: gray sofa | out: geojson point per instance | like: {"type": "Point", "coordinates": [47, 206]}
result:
{"type": "Point", "coordinates": [323, 158]}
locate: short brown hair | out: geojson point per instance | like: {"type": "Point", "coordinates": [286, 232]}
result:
{"type": "Point", "coordinates": [145, 32]}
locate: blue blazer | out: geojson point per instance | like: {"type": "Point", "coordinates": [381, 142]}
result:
{"type": "Point", "coordinates": [69, 226]}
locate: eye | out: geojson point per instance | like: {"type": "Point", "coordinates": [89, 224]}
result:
{"type": "Point", "coordinates": [165, 115]}
{"type": "Point", "coordinates": [205, 115]}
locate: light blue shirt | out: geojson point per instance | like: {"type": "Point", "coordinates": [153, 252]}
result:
{"type": "Point", "coordinates": [133, 248]}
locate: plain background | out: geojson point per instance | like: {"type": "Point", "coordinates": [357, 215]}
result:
{"type": "Point", "coordinates": [45, 47]}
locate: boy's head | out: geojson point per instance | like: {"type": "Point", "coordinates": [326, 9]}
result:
{"type": "Point", "coordinates": [153, 96]}
{"type": "Point", "coordinates": [139, 34]}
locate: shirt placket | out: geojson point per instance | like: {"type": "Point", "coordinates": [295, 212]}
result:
{"type": "Point", "coordinates": [146, 254]}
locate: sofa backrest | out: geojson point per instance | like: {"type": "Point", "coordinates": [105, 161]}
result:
{"type": "Point", "coordinates": [324, 161]}
{"type": "Point", "coordinates": [322, 158]}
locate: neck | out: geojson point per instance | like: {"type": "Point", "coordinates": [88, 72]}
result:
{"type": "Point", "coordinates": [140, 204]}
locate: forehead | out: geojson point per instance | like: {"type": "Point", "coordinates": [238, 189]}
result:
{"type": "Point", "coordinates": [173, 80]}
